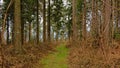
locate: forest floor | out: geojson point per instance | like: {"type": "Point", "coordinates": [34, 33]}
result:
{"type": "Point", "coordinates": [81, 56]}
{"type": "Point", "coordinates": [29, 57]}
{"type": "Point", "coordinates": [62, 55]}
{"type": "Point", "coordinates": [56, 59]}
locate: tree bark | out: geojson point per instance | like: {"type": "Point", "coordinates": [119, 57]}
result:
{"type": "Point", "coordinates": [37, 22]}
{"type": "Point", "coordinates": [7, 30]}
{"type": "Point", "coordinates": [84, 23]}
{"type": "Point", "coordinates": [22, 25]}
{"type": "Point", "coordinates": [74, 21]}
{"type": "Point", "coordinates": [49, 38]}
{"type": "Point", "coordinates": [30, 31]}
{"type": "Point", "coordinates": [44, 20]}
{"type": "Point", "coordinates": [107, 22]}
{"type": "Point", "coordinates": [17, 26]}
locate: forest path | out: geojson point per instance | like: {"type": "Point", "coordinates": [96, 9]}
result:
{"type": "Point", "coordinates": [58, 59]}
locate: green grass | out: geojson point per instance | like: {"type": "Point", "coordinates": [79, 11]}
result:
{"type": "Point", "coordinates": [57, 59]}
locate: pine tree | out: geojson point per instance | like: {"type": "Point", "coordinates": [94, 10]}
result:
{"type": "Point", "coordinates": [17, 26]}
{"type": "Point", "coordinates": [44, 20]}
{"type": "Point", "coordinates": [49, 24]}
{"type": "Point", "coordinates": [74, 20]}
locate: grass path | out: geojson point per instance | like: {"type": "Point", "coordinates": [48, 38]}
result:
{"type": "Point", "coordinates": [57, 59]}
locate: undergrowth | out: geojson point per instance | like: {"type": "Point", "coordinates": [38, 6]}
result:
{"type": "Point", "coordinates": [82, 56]}
{"type": "Point", "coordinates": [29, 57]}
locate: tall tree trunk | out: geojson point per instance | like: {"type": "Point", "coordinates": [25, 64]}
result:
{"type": "Point", "coordinates": [49, 38]}
{"type": "Point", "coordinates": [44, 20]}
{"type": "Point", "coordinates": [26, 31]}
{"type": "Point", "coordinates": [7, 30]}
{"type": "Point", "coordinates": [112, 22]}
{"type": "Point", "coordinates": [118, 18]}
{"type": "Point", "coordinates": [95, 24]}
{"type": "Point", "coordinates": [22, 25]}
{"type": "Point", "coordinates": [22, 32]}
{"type": "Point", "coordinates": [84, 23]}
{"type": "Point", "coordinates": [101, 39]}
{"type": "Point", "coordinates": [30, 31]}
{"type": "Point", "coordinates": [93, 19]}
{"type": "Point", "coordinates": [107, 22]}
{"type": "Point", "coordinates": [74, 21]}
{"type": "Point", "coordinates": [37, 22]}
{"type": "Point", "coordinates": [13, 30]}
{"type": "Point", "coordinates": [17, 26]}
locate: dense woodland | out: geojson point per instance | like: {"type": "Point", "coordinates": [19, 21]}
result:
{"type": "Point", "coordinates": [31, 29]}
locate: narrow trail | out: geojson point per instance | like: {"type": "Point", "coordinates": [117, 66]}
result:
{"type": "Point", "coordinates": [58, 59]}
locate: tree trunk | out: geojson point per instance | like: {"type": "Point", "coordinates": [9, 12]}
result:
{"type": "Point", "coordinates": [112, 21]}
{"type": "Point", "coordinates": [7, 30]}
{"type": "Point", "coordinates": [118, 18]}
{"type": "Point", "coordinates": [17, 26]}
{"type": "Point", "coordinates": [95, 24]}
{"type": "Point", "coordinates": [37, 22]}
{"type": "Point", "coordinates": [84, 23]}
{"type": "Point", "coordinates": [22, 25]}
{"type": "Point", "coordinates": [107, 22]}
{"type": "Point", "coordinates": [49, 38]}
{"type": "Point", "coordinates": [74, 21]}
{"type": "Point", "coordinates": [30, 31]}
{"type": "Point", "coordinates": [44, 20]}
